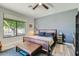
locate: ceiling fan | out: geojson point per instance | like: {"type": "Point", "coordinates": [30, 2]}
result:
{"type": "Point", "coordinates": [40, 4]}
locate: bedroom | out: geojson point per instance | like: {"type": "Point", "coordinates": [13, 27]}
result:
{"type": "Point", "coordinates": [45, 22]}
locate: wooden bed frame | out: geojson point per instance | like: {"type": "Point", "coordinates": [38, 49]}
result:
{"type": "Point", "coordinates": [48, 30]}
{"type": "Point", "coordinates": [54, 31]}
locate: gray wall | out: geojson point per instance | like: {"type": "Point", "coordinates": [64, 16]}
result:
{"type": "Point", "coordinates": [63, 22]}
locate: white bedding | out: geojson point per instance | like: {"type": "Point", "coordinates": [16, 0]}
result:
{"type": "Point", "coordinates": [48, 39]}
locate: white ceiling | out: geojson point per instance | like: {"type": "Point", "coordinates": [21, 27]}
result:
{"type": "Point", "coordinates": [40, 11]}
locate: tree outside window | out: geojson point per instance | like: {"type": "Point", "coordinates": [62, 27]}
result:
{"type": "Point", "coordinates": [13, 27]}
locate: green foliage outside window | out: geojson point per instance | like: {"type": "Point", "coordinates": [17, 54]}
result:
{"type": "Point", "coordinates": [13, 27]}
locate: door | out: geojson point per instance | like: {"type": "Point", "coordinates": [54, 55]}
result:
{"type": "Point", "coordinates": [77, 35]}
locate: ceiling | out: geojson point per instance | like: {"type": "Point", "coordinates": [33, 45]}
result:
{"type": "Point", "coordinates": [40, 11]}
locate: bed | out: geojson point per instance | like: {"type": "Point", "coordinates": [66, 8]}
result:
{"type": "Point", "coordinates": [44, 41]}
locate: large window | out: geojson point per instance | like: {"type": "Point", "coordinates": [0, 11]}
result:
{"type": "Point", "coordinates": [13, 27]}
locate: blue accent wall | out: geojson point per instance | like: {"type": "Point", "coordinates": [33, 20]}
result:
{"type": "Point", "coordinates": [63, 22]}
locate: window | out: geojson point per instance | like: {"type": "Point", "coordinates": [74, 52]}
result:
{"type": "Point", "coordinates": [20, 28]}
{"type": "Point", "coordinates": [13, 27]}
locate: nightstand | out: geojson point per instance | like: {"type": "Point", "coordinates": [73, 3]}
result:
{"type": "Point", "coordinates": [60, 38]}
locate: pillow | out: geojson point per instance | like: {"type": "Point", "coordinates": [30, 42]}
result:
{"type": "Point", "coordinates": [41, 33]}
{"type": "Point", "coordinates": [48, 34]}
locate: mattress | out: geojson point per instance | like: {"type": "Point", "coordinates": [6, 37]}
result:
{"type": "Point", "coordinates": [47, 39]}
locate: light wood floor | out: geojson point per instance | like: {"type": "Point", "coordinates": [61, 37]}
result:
{"type": "Point", "coordinates": [59, 50]}
{"type": "Point", "coordinates": [65, 49]}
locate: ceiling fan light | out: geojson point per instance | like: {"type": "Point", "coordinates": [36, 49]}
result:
{"type": "Point", "coordinates": [40, 3]}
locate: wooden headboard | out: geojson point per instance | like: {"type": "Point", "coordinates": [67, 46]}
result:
{"type": "Point", "coordinates": [48, 30]}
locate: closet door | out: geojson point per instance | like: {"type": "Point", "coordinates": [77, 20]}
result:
{"type": "Point", "coordinates": [77, 35]}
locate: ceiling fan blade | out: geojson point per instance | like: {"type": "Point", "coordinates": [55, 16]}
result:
{"type": "Point", "coordinates": [45, 6]}
{"type": "Point", "coordinates": [35, 7]}
{"type": "Point", "coordinates": [51, 5]}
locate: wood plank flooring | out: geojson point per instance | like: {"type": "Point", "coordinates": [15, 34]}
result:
{"type": "Point", "coordinates": [59, 50]}
{"type": "Point", "coordinates": [65, 49]}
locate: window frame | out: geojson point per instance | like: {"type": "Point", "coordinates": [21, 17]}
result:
{"type": "Point", "coordinates": [16, 28]}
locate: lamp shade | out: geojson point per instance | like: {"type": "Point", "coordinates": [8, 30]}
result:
{"type": "Point", "coordinates": [31, 33]}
